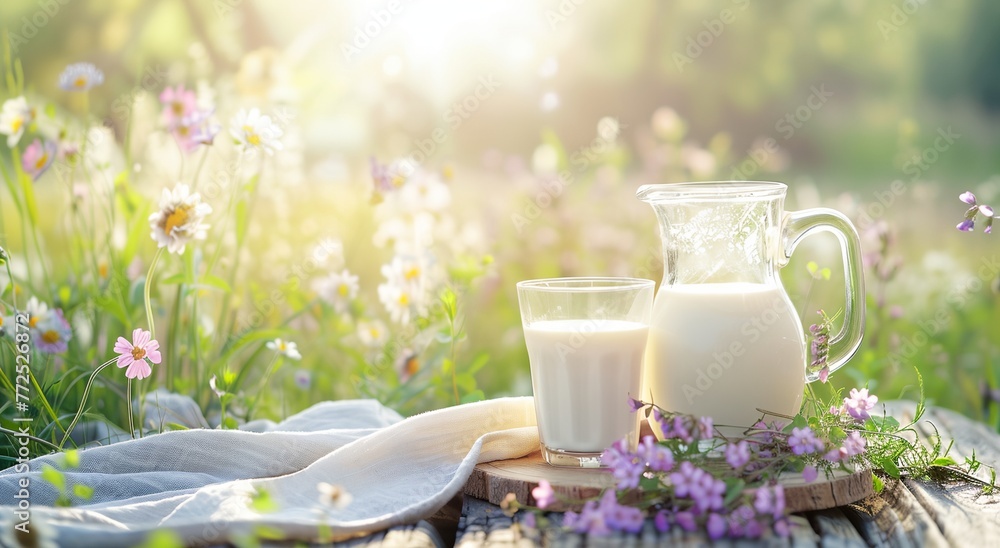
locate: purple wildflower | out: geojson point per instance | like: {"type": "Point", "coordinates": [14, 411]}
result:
{"type": "Point", "coordinates": [655, 456]}
{"type": "Point", "coordinates": [855, 444]}
{"type": "Point", "coordinates": [624, 518]}
{"type": "Point", "coordinates": [592, 518]}
{"type": "Point", "coordinates": [685, 520]}
{"type": "Point", "coordinates": [626, 467]}
{"type": "Point", "coordinates": [782, 527]}
{"type": "Point", "coordinates": [810, 473]}
{"type": "Point", "coordinates": [738, 454]}
{"type": "Point", "coordinates": [635, 404]}
{"type": "Point", "coordinates": [661, 522]}
{"type": "Point", "coordinates": [835, 455]}
{"type": "Point", "coordinates": [716, 526]}
{"type": "Point", "coordinates": [708, 494]}
{"type": "Point", "coordinates": [738, 521]}
{"type": "Point", "coordinates": [804, 442]}
{"type": "Point", "coordinates": [969, 222]}
{"type": "Point", "coordinates": [664, 422]}
{"type": "Point", "coordinates": [544, 495]}
{"type": "Point", "coordinates": [529, 521]}
{"type": "Point", "coordinates": [770, 501]}
{"type": "Point", "coordinates": [686, 479]}
{"type": "Point", "coordinates": [706, 426]}
{"type": "Point", "coordinates": [680, 429]}
{"type": "Point", "coordinates": [860, 403]}
{"type": "Point", "coordinates": [754, 529]}
{"type": "Point", "coordinates": [612, 454]}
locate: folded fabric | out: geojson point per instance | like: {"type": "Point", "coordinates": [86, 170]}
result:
{"type": "Point", "coordinates": [201, 483]}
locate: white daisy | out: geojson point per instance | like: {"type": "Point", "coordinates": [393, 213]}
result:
{"type": "Point", "coordinates": [80, 77]}
{"type": "Point", "coordinates": [37, 311]}
{"type": "Point", "coordinates": [407, 287]}
{"type": "Point", "coordinates": [334, 495]}
{"type": "Point", "coordinates": [287, 349]}
{"type": "Point", "coordinates": [180, 219]}
{"type": "Point", "coordinates": [425, 192]}
{"type": "Point", "coordinates": [338, 289]}
{"type": "Point", "coordinates": [253, 130]}
{"type": "Point", "coordinates": [372, 333]}
{"type": "Point", "coordinates": [397, 299]}
{"type": "Point", "coordinates": [15, 116]}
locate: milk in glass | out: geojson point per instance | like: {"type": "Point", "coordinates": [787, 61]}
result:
{"type": "Point", "coordinates": [582, 373]}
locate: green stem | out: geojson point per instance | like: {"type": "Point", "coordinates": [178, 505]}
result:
{"type": "Point", "coordinates": [197, 170]}
{"type": "Point", "coordinates": [173, 338]}
{"type": "Point", "coordinates": [145, 293]}
{"type": "Point", "coordinates": [128, 398]}
{"type": "Point", "coordinates": [83, 402]}
{"type": "Point", "coordinates": [271, 368]}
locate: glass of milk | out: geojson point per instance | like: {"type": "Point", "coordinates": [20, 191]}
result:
{"type": "Point", "coordinates": [586, 340]}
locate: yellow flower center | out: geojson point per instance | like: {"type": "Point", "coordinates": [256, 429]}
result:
{"type": "Point", "coordinates": [80, 81]}
{"type": "Point", "coordinates": [138, 353]}
{"type": "Point", "coordinates": [17, 124]}
{"type": "Point", "coordinates": [177, 107]}
{"type": "Point", "coordinates": [343, 290]}
{"type": "Point", "coordinates": [102, 270]}
{"type": "Point", "coordinates": [183, 130]}
{"type": "Point", "coordinates": [50, 336]}
{"type": "Point", "coordinates": [404, 299]}
{"type": "Point", "coordinates": [412, 365]}
{"type": "Point", "coordinates": [44, 159]}
{"type": "Point", "coordinates": [374, 333]}
{"type": "Point", "coordinates": [252, 137]}
{"type": "Point", "coordinates": [412, 273]}
{"type": "Point", "coordinates": [177, 218]}
{"type": "Point", "coordinates": [33, 321]}
{"type": "Point", "coordinates": [398, 181]}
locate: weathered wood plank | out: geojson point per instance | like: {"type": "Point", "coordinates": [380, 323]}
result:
{"type": "Point", "coordinates": [894, 518]}
{"type": "Point", "coordinates": [965, 516]}
{"type": "Point", "coordinates": [834, 529]}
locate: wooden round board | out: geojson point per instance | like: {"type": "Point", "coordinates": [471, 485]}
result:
{"type": "Point", "coordinates": [492, 481]}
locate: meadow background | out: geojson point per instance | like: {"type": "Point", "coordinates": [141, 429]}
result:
{"type": "Point", "coordinates": [532, 124]}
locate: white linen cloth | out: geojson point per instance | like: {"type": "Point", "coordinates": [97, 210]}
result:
{"type": "Point", "coordinates": [200, 482]}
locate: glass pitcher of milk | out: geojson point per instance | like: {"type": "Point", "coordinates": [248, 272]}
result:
{"type": "Point", "coordinates": [724, 339]}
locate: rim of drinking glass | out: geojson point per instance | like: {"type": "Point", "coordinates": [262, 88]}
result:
{"type": "Point", "coordinates": [581, 284]}
{"type": "Point", "coordinates": [725, 190]}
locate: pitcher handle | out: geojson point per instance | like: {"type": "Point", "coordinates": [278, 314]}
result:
{"type": "Point", "coordinates": [799, 224]}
